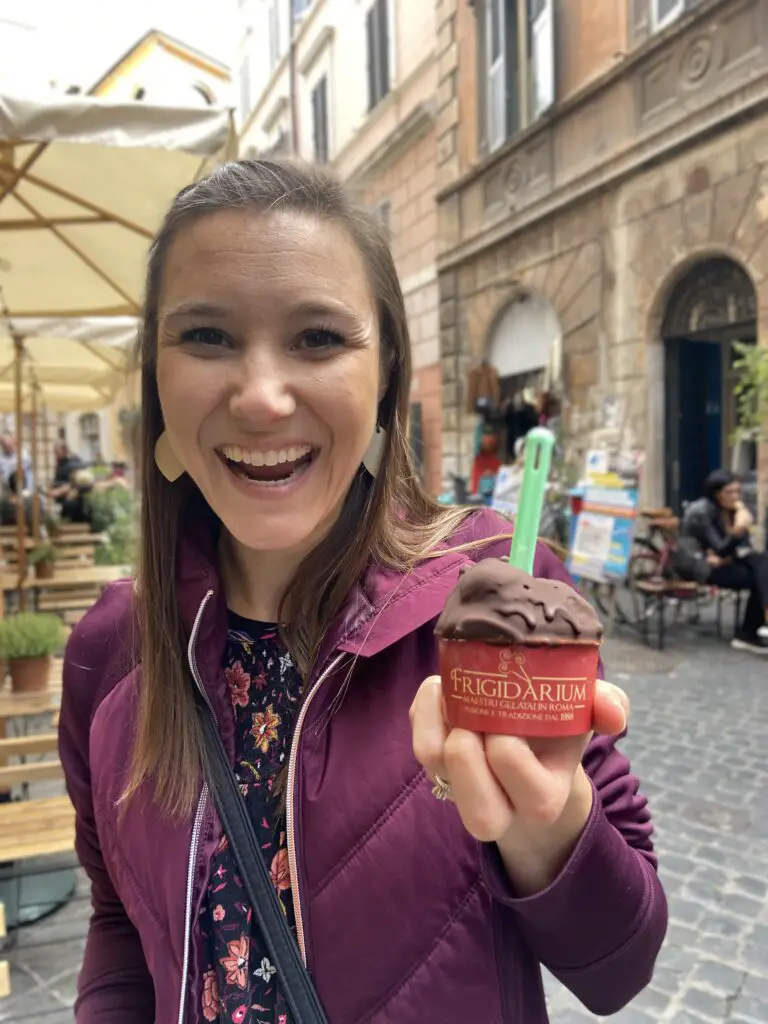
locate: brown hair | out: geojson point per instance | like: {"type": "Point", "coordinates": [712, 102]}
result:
{"type": "Point", "coordinates": [168, 741]}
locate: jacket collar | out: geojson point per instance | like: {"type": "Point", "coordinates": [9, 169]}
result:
{"type": "Point", "coordinates": [384, 607]}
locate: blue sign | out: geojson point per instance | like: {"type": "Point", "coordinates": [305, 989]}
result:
{"type": "Point", "coordinates": [602, 534]}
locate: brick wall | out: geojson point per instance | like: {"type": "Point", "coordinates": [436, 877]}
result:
{"type": "Point", "coordinates": [591, 35]}
{"type": "Point", "coordinates": [427, 389]}
{"type": "Point", "coordinates": [408, 184]}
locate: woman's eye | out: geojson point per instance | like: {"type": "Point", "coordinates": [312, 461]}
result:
{"type": "Point", "coordinates": [210, 336]}
{"type": "Point", "coordinates": [321, 340]}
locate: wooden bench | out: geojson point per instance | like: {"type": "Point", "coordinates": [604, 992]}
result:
{"type": "Point", "coordinates": [63, 600]}
{"type": "Point", "coordinates": [72, 528]}
{"type": "Point", "coordinates": [656, 594]}
{"type": "Point", "coordinates": [34, 827]}
{"type": "Point", "coordinates": [71, 557]}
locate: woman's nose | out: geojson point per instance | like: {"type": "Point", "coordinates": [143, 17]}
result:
{"type": "Point", "coordinates": [262, 390]}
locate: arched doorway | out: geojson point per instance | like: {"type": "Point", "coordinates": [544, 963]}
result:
{"type": "Point", "coordinates": [524, 347]}
{"type": "Point", "coordinates": [711, 306]}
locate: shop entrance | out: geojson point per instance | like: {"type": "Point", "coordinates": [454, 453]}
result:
{"type": "Point", "coordinates": [712, 306]}
{"type": "Point", "coordinates": [524, 350]}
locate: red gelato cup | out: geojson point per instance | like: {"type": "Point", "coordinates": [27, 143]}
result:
{"type": "Point", "coordinates": [520, 689]}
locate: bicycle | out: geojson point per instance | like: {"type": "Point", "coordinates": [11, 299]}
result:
{"type": "Point", "coordinates": [650, 574]}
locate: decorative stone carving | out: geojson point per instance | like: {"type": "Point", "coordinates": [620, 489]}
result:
{"type": "Point", "coordinates": [713, 294]}
{"type": "Point", "coordinates": [723, 51]}
{"type": "Point", "coordinates": [697, 60]}
{"type": "Point", "coordinates": [524, 176]}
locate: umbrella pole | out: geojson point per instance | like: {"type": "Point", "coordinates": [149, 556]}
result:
{"type": "Point", "coordinates": [46, 449]}
{"type": "Point", "coordinates": [35, 474]}
{"type": "Point", "coordinates": [18, 347]}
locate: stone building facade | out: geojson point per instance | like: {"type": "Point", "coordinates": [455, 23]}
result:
{"type": "Point", "coordinates": [360, 76]}
{"type": "Point", "coordinates": [635, 206]}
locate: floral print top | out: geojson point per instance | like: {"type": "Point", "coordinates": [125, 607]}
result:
{"type": "Point", "coordinates": [239, 982]}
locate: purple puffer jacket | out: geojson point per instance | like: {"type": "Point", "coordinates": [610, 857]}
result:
{"type": "Point", "coordinates": [402, 916]}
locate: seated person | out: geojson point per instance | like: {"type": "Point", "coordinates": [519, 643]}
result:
{"type": "Point", "coordinates": [66, 464]}
{"type": "Point", "coordinates": [715, 531]}
{"type": "Point", "coordinates": [74, 504]}
{"type": "Point", "coordinates": [9, 503]}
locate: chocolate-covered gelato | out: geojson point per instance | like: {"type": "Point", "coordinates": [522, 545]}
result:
{"type": "Point", "coordinates": [499, 604]}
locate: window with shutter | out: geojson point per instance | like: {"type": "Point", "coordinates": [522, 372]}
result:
{"type": "Point", "coordinates": [519, 57]}
{"type": "Point", "coordinates": [664, 12]}
{"type": "Point", "coordinates": [382, 44]}
{"type": "Point", "coordinates": [320, 121]}
{"type": "Point", "coordinates": [383, 213]}
{"type": "Point", "coordinates": [274, 34]}
{"type": "Point", "coordinates": [497, 90]}
{"type": "Point", "coordinates": [377, 43]}
{"type": "Point", "coordinates": [245, 88]}
{"type": "Point", "coordinates": [542, 36]}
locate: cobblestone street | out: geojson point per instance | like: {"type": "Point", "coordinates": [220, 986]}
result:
{"type": "Point", "coordinates": [698, 740]}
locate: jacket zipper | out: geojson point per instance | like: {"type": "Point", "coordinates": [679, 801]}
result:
{"type": "Point", "coordinates": [290, 816]}
{"type": "Point", "coordinates": [199, 816]}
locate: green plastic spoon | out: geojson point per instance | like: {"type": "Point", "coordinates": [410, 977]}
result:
{"type": "Point", "coordinates": [539, 443]}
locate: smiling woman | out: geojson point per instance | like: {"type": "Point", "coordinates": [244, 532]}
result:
{"type": "Point", "coordinates": [291, 574]}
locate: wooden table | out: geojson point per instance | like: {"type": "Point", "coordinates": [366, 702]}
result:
{"type": "Point", "coordinates": [92, 575]}
{"type": "Point", "coordinates": [63, 540]}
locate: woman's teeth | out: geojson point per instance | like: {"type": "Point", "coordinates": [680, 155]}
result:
{"type": "Point", "coordinates": [272, 467]}
{"type": "Point", "coordinates": [271, 457]}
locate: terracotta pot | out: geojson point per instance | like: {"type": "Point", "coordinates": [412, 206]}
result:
{"type": "Point", "coordinates": [29, 675]}
{"type": "Point", "coordinates": [44, 570]}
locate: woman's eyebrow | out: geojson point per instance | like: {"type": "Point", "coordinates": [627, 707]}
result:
{"type": "Point", "coordinates": [316, 307]}
{"type": "Point", "coordinates": [184, 309]}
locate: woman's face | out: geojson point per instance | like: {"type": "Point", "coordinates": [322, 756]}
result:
{"type": "Point", "coordinates": [728, 497]}
{"type": "Point", "coordinates": [268, 370]}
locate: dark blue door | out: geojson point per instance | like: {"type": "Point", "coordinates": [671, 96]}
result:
{"type": "Point", "coordinates": [695, 398]}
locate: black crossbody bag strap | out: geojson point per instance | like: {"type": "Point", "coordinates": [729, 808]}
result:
{"type": "Point", "coordinates": [292, 975]}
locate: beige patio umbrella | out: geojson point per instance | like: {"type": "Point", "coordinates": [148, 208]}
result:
{"type": "Point", "coordinates": [84, 183]}
{"type": "Point", "coordinates": [65, 366]}
{"type": "Point", "coordinates": [78, 365]}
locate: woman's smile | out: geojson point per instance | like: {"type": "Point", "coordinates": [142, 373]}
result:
{"type": "Point", "coordinates": [267, 473]}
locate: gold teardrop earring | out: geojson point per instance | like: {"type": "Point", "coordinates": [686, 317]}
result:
{"type": "Point", "coordinates": [374, 453]}
{"type": "Point", "coordinates": [166, 459]}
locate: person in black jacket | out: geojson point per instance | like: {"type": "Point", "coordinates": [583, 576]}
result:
{"type": "Point", "coordinates": [718, 524]}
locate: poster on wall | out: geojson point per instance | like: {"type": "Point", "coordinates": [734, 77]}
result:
{"type": "Point", "coordinates": [602, 534]}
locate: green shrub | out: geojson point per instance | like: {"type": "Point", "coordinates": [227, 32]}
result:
{"type": "Point", "coordinates": [31, 635]}
{"type": "Point", "coordinates": [42, 552]}
{"type": "Point", "coordinates": [112, 512]}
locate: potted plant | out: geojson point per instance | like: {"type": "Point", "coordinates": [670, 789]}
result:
{"type": "Point", "coordinates": [43, 557]}
{"type": "Point", "coordinates": [27, 641]}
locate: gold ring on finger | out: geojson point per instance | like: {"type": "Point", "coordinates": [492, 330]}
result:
{"type": "Point", "coordinates": [441, 789]}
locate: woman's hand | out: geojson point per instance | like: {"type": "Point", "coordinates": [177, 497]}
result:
{"type": "Point", "coordinates": [529, 796]}
{"type": "Point", "coordinates": [742, 520]}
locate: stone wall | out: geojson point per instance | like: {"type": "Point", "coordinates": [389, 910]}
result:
{"type": "Point", "coordinates": [405, 187]}
{"type": "Point", "coordinates": [600, 209]}
{"type": "Point", "coordinates": [607, 268]}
